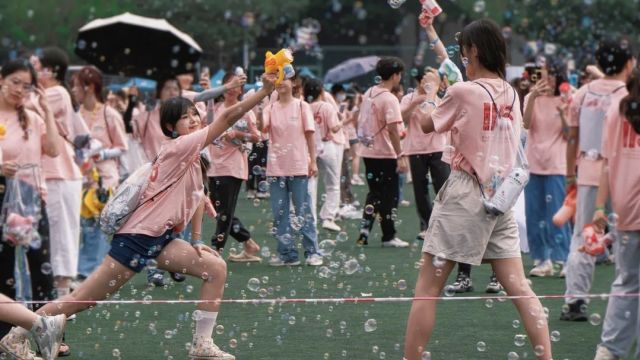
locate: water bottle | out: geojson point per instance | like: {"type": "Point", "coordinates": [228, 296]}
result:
{"type": "Point", "coordinates": [239, 71]}
{"type": "Point", "coordinates": [431, 7]}
{"type": "Point", "coordinates": [289, 71]}
{"type": "Point", "coordinates": [508, 192]}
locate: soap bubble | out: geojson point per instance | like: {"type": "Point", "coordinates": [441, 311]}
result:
{"type": "Point", "coordinates": [479, 6]}
{"type": "Point", "coordinates": [555, 336]}
{"type": "Point", "coordinates": [369, 209]}
{"type": "Point", "coordinates": [370, 325]}
{"type": "Point", "coordinates": [402, 285]}
{"type": "Point", "coordinates": [519, 340]}
{"type": "Point", "coordinates": [263, 186]}
{"type": "Point", "coordinates": [377, 79]}
{"type": "Point", "coordinates": [481, 346]}
{"type": "Point", "coordinates": [327, 247]}
{"type": "Point", "coordinates": [351, 266]}
{"type": "Point", "coordinates": [595, 319]}
{"type": "Point", "coordinates": [395, 4]}
{"type": "Point", "coordinates": [220, 329]}
{"type": "Point", "coordinates": [253, 284]}
{"type": "Point", "coordinates": [46, 268]}
{"type": "Point", "coordinates": [513, 356]}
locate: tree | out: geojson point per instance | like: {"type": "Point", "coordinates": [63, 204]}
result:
{"type": "Point", "coordinates": [576, 26]}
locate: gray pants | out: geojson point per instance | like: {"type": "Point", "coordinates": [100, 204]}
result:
{"type": "Point", "coordinates": [621, 326]}
{"type": "Point", "coordinates": [580, 266]}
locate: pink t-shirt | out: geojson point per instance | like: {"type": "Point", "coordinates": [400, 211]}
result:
{"type": "Point", "coordinates": [386, 111]}
{"type": "Point", "coordinates": [147, 129]}
{"type": "Point", "coordinates": [287, 125]}
{"type": "Point", "coordinates": [546, 147]}
{"type": "Point", "coordinates": [326, 118]}
{"type": "Point", "coordinates": [468, 112]}
{"type": "Point", "coordinates": [417, 142]}
{"type": "Point", "coordinates": [621, 148]}
{"type": "Point", "coordinates": [110, 132]}
{"type": "Point", "coordinates": [177, 166]}
{"type": "Point", "coordinates": [230, 158]}
{"type": "Point", "coordinates": [18, 150]}
{"type": "Point", "coordinates": [63, 166]}
{"type": "Point", "coordinates": [589, 167]}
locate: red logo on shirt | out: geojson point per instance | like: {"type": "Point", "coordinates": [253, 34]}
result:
{"type": "Point", "coordinates": [629, 137]}
{"type": "Point", "coordinates": [490, 117]}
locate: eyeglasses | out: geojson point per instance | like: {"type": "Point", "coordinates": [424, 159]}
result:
{"type": "Point", "coordinates": [16, 83]}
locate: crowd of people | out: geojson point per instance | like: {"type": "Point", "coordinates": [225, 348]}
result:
{"type": "Point", "coordinates": [73, 143]}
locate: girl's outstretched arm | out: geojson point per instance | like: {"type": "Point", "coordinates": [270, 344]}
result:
{"type": "Point", "coordinates": [234, 113]}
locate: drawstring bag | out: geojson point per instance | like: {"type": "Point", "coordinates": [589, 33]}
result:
{"type": "Point", "coordinates": [506, 170]}
{"type": "Point", "coordinates": [125, 200]}
{"type": "Point", "coordinates": [21, 209]}
{"type": "Point", "coordinates": [367, 121]}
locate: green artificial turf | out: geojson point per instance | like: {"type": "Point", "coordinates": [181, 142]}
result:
{"type": "Point", "coordinates": [323, 331]}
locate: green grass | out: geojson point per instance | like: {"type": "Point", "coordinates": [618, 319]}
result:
{"type": "Point", "coordinates": [326, 331]}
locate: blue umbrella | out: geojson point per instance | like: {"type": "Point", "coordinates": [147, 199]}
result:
{"type": "Point", "coordinates": [351, 68]}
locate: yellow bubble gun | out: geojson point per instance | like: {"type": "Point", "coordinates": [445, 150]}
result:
{"type": "Point", "coordinates": [280, 63]}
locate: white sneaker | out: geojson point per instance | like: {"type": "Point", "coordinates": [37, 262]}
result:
{"type": "Point", "coordinates": [314, 260]}
{"type": "Point", "coordinates": [205, 349]}
{"type": "Point", "coordinates": [350, 212]}
{"type": "Point", "coordinates": [251, 194]}
{"type": "Point", "coordinates": [604, 354]}
{"type": "Point", "coordinates": [396, 243]}
{"type": "Point", "coordinates": [545, 268]}
{"type": "Point", "coordinates": [405, 203]}
{"type": "Point", "coordinates": [17, 347]}
{"type": "Point", "coordinates": [276, 261]}
{"type": "Point", "coordinates": [263, 195]}
{"type": "Point", "coordinates": [48, 335]}
{"type": "Point", "coordinates": [357, 180]}
{"type": "Point", "coordinates": [330, 225]}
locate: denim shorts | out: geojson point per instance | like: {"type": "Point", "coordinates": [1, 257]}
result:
{"type": "Point", "coordinates": [135, 250]}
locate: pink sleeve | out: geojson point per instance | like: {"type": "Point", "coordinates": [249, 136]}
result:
{"type": "Point", "coordinates": [307, 118]}
{"type": "Point", "coordinates": [266, 118]}
{"type": "Point", "coordinates": [251, 124]}
{"type": "Point", "coordinates": [574, 108]}
{"type": "Point", "coordinates": [332, 117]}
{"type": "Point", "coordinates": [444, 115]}
{"type": "Point", "coordinates": [406, 101]}
{"type": "Point", "coordinates": [391, 109]}
{"type": "Point", "coordinates": [115, 127]}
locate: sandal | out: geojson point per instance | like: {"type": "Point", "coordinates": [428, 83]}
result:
{"type": "Point", "coordinates": [244, 257]}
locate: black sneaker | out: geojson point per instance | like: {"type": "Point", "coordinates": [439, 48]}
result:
{"type": "Point", "coordinates": [462, 284]}
{"type": "Point", "coordinates": [177, 277]}
{"type": "Point", "coordinates": [157, 280]}
{"type": "Point", "coordinates": [574, 312]}
{"type": "Point", "coordinates": [494, 286]}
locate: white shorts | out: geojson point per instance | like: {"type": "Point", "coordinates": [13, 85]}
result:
{"type": "Point", "coordinates": [63, 210]}
{"type": "Point", "coordinates": [460, 229]}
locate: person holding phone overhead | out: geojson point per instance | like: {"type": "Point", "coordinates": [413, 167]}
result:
{"type": "Point", "coordinates": [545, 150]}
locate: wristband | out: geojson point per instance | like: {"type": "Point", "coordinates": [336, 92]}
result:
{"type": "Point", "coordinates": [197, 242]}
{"type": "Point", "coordinates": [434, 42]}
{"type": "Point", "coordinates": [601, 208]}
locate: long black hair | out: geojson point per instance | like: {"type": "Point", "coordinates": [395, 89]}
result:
{"type": "Point", "coordinates": [488, 39]}
{"type": "Point", "coordinates": [630, 105]}
{"type": "Point", "coordinates": [57, 60]}
{"type": "Point", "coordinates": [11, 67]}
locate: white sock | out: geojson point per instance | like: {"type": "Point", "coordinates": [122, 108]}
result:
{"type": "Point", "coordinates": [205, 322]}
{"type": "Point", "coordinates": [63, 291]}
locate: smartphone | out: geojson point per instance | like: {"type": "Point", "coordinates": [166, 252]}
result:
{"type": "Point", "coordinates": [205, 72]}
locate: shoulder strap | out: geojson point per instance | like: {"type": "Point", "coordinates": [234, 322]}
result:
{"type": "Point", "coordinates": [106, 124]}
{"type": "Point", "coordinates": [491, 96]}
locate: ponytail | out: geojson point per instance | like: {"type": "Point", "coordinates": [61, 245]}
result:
{"type": "Point", "coordinates": [23, 119]}
{"type": "Point", "coordinates": [630, 105]}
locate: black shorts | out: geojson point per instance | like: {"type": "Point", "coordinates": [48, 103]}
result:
{"type": "Point", "coordinates": [135, 250]}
